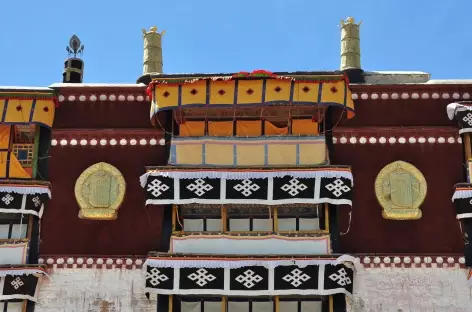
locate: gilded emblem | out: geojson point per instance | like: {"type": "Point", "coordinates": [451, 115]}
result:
{"type": "Point", "coordinates": [99, 191]}
{"type": "Point", "coordinates": [400, 189]}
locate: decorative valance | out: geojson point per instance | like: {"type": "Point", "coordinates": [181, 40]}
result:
{"type": "Point", "coordinates": [237, 152]}
{"type": "Point", "coordinates": [462, 199]}
{"type": "Point", "coordinates": [328, 184]}
{"type": "Point", "coordinates": [259, 88]}
{"type": "Point", "coordinates": [20, 282]}
{"type": "Point", "coordinates": [463, 113]}
{"type": "Point", "coordinates": [249, 276]}
{"type": "Point", "coordinates": [24, 197]}
{"type": "Point", "coordinates": [28, 108]}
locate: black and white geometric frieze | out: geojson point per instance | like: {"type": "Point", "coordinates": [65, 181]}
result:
{"type": "Point", "coordinates": [320, 279]}
{"type": "Point", "coordinates": [264, 191]}
{"type": "Point", "coordinates": [464, 118]}
{"type": "Point", "coordinates": [462, 199]}
{"type": "Point", "coordinates": [20, 286]}
{"type": "Point", "coordinates": [12, 202]}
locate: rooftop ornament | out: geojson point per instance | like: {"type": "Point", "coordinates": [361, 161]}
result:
{"type": "Point", "coordinates": [75, 46]}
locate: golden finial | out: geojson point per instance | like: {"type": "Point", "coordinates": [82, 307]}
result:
{"type": "Point", "coordinates": [152, 30]}
{"type": "Point", "coordinates": [350, 20]}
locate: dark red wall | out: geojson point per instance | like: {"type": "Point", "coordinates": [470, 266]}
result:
{"type": "Point", "coordinates": [436, 232]}
{"type": "Point", "coordinates": [137, 229]}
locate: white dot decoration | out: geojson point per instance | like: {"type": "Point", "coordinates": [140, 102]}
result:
{"type": "Point", "coordinates": [80, 261]}
{"type": "Point", "coordinates": [451, 140]}
{"type": "Point", "coordinates": [93, 142]}
{"type": "Point", "coordinates": [154, 141]}
{"type": "Point", "coordinates": [89, 261]}
{"type": "Point", "coordinates": [421, 140]}
{"type": "Point", "coordinates": [377, 260]}
{"type": "Point", "coordinates": [407, 260]}
{"type": "Point", "coordinates": [99, 261]}
{"type": "Point", "coordinates": [364, 96]}
{"type": "Point", "coordinates": [441, 140]}
{"type": "Point", "coordinates": [163, 142]}
{"type": "Point", "coordinates": [435, 96]}
{"type": "Point", "coordinates": [53, 142]}
{"type": "Point", "coordinates": [112, 97]}
{"type": "Point", "coordinates": [402, 140]}
{"type": "Point", "coordinates": [123, 142]}
{"type": "Point", "coordinates": [133, 142]}
{"type": "Point", "coordinates": [439, 260]}
{"type": "Point", "coordinates": [50, 261]}
{"type": "Point", "coordinates": [63, 142]}
{"type": "Point", "coordinates": [354, 96]}
{"type": "Point", "coordinates": [140, 98]}
{"type": "Point", "coordinates": [466, 96]}
{"type": "Point", "coordinates": [412, 140]}
{"type": "Point", "coordinates": [374, 96]}
{"type": "Point", "coordinates": [366, 260]}
{"type": "Point", "coordinates": [119, 261]}
{"type": "Point", "coordinates": [461, 260]}
{"type": "Point", "coordinates": [392, 140]}
{"type": "Point", "coordinates": [382, 140]}
{"type": "Point", "coordinates": [424, 96]}
{"type": "Point", "coordinates": [82, 98]}
{"type": "Point", "coordinates": [130, 98]}
{"type": "Point", "coordinates": [40, 260]}
{"type": "Point", "coordinates": [394, 96]}
{"type": "Point", "coordinates": [109, 261]}
{"type": "Point", "coordinates": [129, 262]}
{"type": "Point", "coordinates": [384, 96]}
{"type": "Point", "coordinates": [103, 97]}
{"type": "Point", "coordinates": [73, 142]}
{"type": "Point", "coordinates": [70, 261]}
{"type": "Point", "coordinates": [121, 97]}
{"type": "Point", "coordinates": [353, 140]}
{"type": "Point", "coordinates": [71, 98]}
{"type": "Point", "coordinates": [450, 260]}
{"type": "Point", "coordinates": [428, 260]}
{"type": "Point", "coordinates": [61, 98]}
{"type": "Point", "coordinates": [60, 261]}
{"type": "Point", "coordinates": [113, 142]}
{"type": "Point", "coordinates": [405, 96]}
{"type": "Point", "coordinates": [417, 260]}
{"type": "Point", "coordinates": [387, 260]}
{"type": "Point", "coordinates": [372, 140]}
{"type": "Point", "coordinates": [456, 95]}
{"type": "Point", "coordinates": [103, 142]}
{"type": "Point", "coordinates": [93, 98]}
{"type": "Point", "coordinates": [445, 96]}
{"type": "Point", "coordinates": [431, 140]}
{"type": "Point", "coordinates": [343, 140]}
{"type": "Point", "coordinates": [142, 142]}
{"type": "Point", "coordinates": [415, 96]}
{"type": "Point", "coordinates": [459, 140]}
{"type": "Point", "coordinates": [138, 262]}
{"type": "Point", "coordinates": [396, 260]}
{"type": "Point", "coordinates": [335, 140]}
{"type": "Point", "coordinates": [83, 142]}
{"type": "Point", "coordinates": [362, 140]}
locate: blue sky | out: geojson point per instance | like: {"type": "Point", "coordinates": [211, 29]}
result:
{"type": "Point", "coordinates": [230, 36]}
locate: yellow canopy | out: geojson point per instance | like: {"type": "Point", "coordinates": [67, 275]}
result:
{"type": "Point", "coordinates": [27, 108]}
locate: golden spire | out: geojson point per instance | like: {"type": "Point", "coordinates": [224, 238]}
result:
{"type": "Point", "coordinates": [350, 44]}
{"type": "Point", "coordinates": [152, 61]}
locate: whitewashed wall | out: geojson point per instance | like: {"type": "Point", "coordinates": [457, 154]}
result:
{"type": "Point", "coordinates": [411, 290]}
{"type": "Point", "coordinates": [94, 290]}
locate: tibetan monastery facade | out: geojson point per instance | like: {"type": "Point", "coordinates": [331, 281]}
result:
{"type": "Point", "coordinates": [257, 191]}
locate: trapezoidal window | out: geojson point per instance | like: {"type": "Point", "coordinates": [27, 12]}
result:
{"type": "Point", "coordinates": [23, 144]}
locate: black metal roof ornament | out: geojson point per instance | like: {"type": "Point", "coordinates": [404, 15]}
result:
{"type": "Point", "coordinates": [75, 46]}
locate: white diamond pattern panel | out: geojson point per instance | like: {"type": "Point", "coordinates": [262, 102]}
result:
{"type": "Point", "coordinates": [338, 188]}
{"type": "Point", "coordinates": [202, 277]}
{"type": "Point", "coordinates": [199, 187]}
{"type": "Point", "coordinates": [249, 278]}
{"type": "Point", "coordinates": [294, 187]}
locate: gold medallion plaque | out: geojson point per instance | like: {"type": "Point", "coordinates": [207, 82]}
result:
{"type": "Point", "coordinates": [400, 189]}
{"type": "Point", "coordinates": [99, 191]}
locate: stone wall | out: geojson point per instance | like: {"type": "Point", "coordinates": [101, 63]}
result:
{"type": "Point", "coordinates": [94, 290]}
{"type": "Point", "coordinates": [411, 290]}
